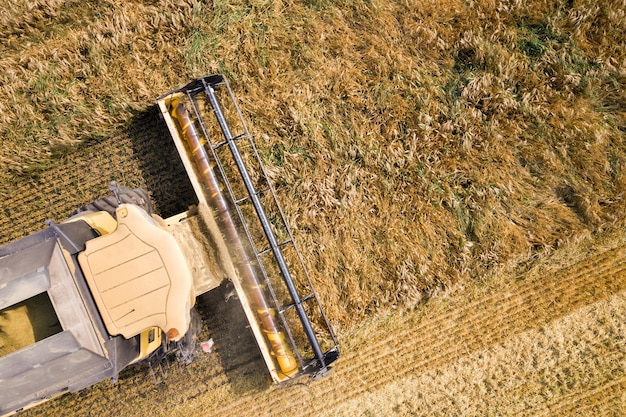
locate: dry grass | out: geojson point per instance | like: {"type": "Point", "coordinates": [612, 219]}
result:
{"type": "Point", "coordinates": [415, 143]}
{"type": "Point", "coordinates": [547, 341]}
{"type": "Point", "coordinates": [553, 371]}
{"type": "Point", "coordinates": [465, 137]}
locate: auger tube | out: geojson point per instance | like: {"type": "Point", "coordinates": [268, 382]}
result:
{"type": "Point", "coordinates": [254, 289]}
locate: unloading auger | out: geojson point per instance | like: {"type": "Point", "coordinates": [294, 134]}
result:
{"type": "Point", "coordinates": [228, 177]}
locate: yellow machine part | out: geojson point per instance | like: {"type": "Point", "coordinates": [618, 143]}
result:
{"type": "Point", "coordinates": [100, 221]}
{"type": "Point", "coordinates": [149, 341]}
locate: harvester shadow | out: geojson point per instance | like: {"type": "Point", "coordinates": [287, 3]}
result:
{"type": "Point", "coordinates": [234, 343]}
{"type": "Point", "coordinates": [162, 170]}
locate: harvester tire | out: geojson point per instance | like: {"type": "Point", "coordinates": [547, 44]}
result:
{"type": "Point", "coordinates": [136, 196]}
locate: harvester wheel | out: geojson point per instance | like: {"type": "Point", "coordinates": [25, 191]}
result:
{"type": "Point", "coordinates": [187, 345]}
{"type": "Point", "coordinates": [121, 195]}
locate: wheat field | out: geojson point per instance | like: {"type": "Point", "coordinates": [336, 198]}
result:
{"type": "Point", "coordinates": [418, 148]}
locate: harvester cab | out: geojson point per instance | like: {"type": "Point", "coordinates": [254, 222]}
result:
{"type": "Point", "coordinates": [138, 277]}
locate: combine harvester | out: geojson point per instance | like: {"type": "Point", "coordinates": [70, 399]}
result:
{"type": "Point", "coordinates": [115, 285]}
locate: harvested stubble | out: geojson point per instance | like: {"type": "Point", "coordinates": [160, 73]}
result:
{"type": "Point", "coordinates": [414, 144]}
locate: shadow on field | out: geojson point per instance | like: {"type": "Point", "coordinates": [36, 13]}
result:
{"type": "Point", "coordinates": [235, 345]}
{"type": "Point", "coordinates": [159, 162]}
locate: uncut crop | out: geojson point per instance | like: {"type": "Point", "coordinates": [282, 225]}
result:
{"type": "Point", "coordinates": [414, 144]}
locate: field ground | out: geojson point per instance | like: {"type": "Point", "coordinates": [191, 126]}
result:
{"type": "Point", "coordinates": [454, 173]}
{"type": "Point", "coordinates": [548, 340]}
